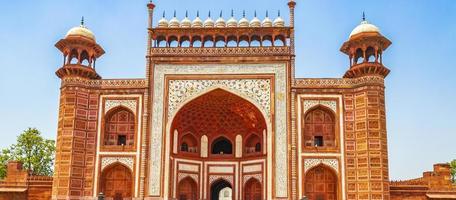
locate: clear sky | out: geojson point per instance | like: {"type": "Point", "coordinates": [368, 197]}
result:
{"type": "Point", "coordinates": [421, 88]}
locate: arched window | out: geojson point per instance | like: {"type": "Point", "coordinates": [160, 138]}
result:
{"type": "Point", "coordinates": [73, 57]}
{"type": "Point", "coordinates": [252, 144]}
{"type": "Point", "coordinates": [85, 58]}
{"type": "Point", "coordinates": [319, 128]}
{"type": "Point", "coordinates": [257, 147]}
{"type": "Point", "coordinates": [370, 54]}
{"type": "Point", "coordinates": [231, 41]}
{"type": "Point", "coordinates": [222, 146]}
{"type": "Point", "coordinates": [359, 57]}
{"type": "Point", "coordinates": [189, 144]}
{"type": "Point", "coordinates": [279, 41]}
{"type": "Point", "coordinates": [119, 128]}
{"type": "Point", "coordinates": [173, 41]}
{"type": "Point", "coordinates": [184, 147]}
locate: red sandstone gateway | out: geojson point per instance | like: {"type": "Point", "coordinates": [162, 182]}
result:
{"type": "Point", "coordinates": [220, 115]}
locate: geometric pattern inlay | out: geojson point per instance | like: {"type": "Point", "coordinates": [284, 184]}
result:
{"type": "Point", "coordinates": [127, 161]}
{"type": "Point", "coordinates": [228, 178]}
{"type": "Point", "coordinates": [130, 104]}
{"type": "Point", "coordinates": [258, 177]}
{"type": "Point", "coordinates": [257, 89]}
{"type": "Point", "coordinates": [308, 104]}
{"type": "Point", "coordinates": [333, 163]}
{"type": "Point", "coordinates": [185, 175]}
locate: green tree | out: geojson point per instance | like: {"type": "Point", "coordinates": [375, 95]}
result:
{"type": "Point", "coordinates": [35, 152]}
{"type": "Point", "coordinates": [453, 170]}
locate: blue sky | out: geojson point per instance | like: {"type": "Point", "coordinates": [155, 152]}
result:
{"type": "Point", "coordinates": [421, 92]}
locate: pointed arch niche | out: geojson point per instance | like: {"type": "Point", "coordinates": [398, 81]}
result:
{"type": "Point", "coordinates": [218, 121]}
{"type": "Point", "coordinates": [119, 132]}
{"type": "Point", "coordinates": [319, 130]}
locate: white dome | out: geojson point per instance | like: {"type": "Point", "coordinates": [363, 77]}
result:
{"type": "Point", "coordinates": [174, 23]}
{"type": "Point", "coordinates": [279, 22]}
{"type": "Point", "coordinates": [365, 27]}
{"type": "Point", "coordinates": [197, 23]}
{"type": "Point", "coordinates": [209, 22]}
{"type": "Point", "coordinates": [81, 31]}
{"type": "Point", "coordinates": [220, 22]}
{"type": "Point", "coordinates": [232, 22]}
{"type": "Point", "coordinates": [244, 22]}
{"type": "Point", "coordinates": [267, 22]}
{"type": "Point", "coordinates": [255, 22]}
{"type": "Point", "coordinates": [163, 23]}
{"type": "Point", "coordinates": [186, 23]}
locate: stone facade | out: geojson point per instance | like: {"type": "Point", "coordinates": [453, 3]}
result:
{"type": "Point", "coordinates": [220, 109]}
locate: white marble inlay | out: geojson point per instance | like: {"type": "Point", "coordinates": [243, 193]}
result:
{"type": "Point", "coordinates": [127, 161]}
{"type": "Point", "coordinates": [308, 104]}
{"type": "Point", "coordinates": [309, 163]}
{"type": "Point", "coordinates": [252, 168]}
{"type": "Point", "coordinates": [112, 103]}
{"type": "Point", "coordinates": [220, 169]}
{"type": "Point", "coordinates": [187, 167]}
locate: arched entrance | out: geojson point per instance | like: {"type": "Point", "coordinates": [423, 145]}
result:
{"type": "Point", "coordinates": [221, 190]}
{"type": "Point", "coordinates": [321, 184]}
{"type": "Point", "coordinates": [187, 189]}
{"type": "Point", "coordinates": [252, 190]}
{"type": "Point", "coordinates": [220, 120]}
{"type": "Point", "coordinates": [117, 182]}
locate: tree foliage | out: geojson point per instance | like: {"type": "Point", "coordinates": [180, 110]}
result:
{"type": "Point", "coordinates": [453, 170]}
{"type": "Point", "coordinates": [35, 152]}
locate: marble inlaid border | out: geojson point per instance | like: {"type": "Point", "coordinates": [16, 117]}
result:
{"type": "Point", "coordinates": [339, 110]}
{"type": "Point", "coordinates": [156, 141]}
{"type": "Point", "coordinates": [309, 163]}
{"type": "Point", "coordinates": [127, 161]}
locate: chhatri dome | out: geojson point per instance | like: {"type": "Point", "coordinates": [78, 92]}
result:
{"type": "Point", "coordinates": [365, 27]}
{"type": "Point", "coordinates": [209, 22]}
{"type": "Point", "coordinates": [81, 30]}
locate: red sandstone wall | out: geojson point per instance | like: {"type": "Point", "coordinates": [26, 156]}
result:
{"type": "Point", "coordinates": [366, 144]}
{"type": "Point", "coordinates": [76, 142]}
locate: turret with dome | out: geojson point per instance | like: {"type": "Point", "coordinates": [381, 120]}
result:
{"type": "Point", "coordinates": [80, 52]}
{"type": "Point", "coordinates": [365, 48]}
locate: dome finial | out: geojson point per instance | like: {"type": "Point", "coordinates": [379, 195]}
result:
{"type": "Point", "coordinates": [197, 13]}
{"type": "Point", "coordinates": [232, 13]}
{"type": "Point", "coordinates": [174, 13]}
{"type": "Point", "coordinates": [364, 16]}
{"type": "Point", "coordinates": [209, 14]}
{"type": "Point", "coordinates": [243, 13]}
{"type": "Point", "coordinates": [164, 13]}
{"type": "Point", "coordinates": [267, 13]}
{"type": "Point", "coordinates": [82, 21]}
{"type": "Point", "coordinates": [278, 14]}
{"type": "Point", "coordinates": [186, 13]}
{"type": "Point", "coordinates": [221, 13]}
{"type": "Point", "coordinates": [255, 15]}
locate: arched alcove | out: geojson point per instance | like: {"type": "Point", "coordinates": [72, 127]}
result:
{"type": "Point", "coordinates": [319, 128]}
{"type": "Point", "coordinates": [253, 190]}
{"type": "Point", "coordinates": [119, 127]}
{"type": "Point", "coordinates": [221, 146]}
{"type": "Point", "coordinates": [320, 182]}
{"type": "Point", "coordinates": [117, 182]}
{"type": "Point", "coordinates": [187, 189]}
{"type": "Point", "coordinates": [220, 116]}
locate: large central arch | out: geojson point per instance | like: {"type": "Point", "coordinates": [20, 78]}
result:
{"type": "Point", "coordinates": [217, 127]}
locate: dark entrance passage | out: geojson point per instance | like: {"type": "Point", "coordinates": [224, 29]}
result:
{"type": "Point", "coordinates": [220, 186]}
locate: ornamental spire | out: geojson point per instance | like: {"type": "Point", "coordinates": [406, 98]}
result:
{"type": "Point", "coordinates": [82, 21]}
{"type": "Point", "coordinates": [364, 16]}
